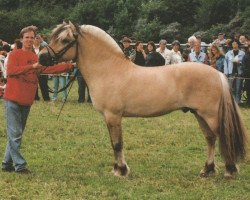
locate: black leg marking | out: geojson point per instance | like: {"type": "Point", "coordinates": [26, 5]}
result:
{"type": "Point", "coordinates": [210, 168]}
{"type": "Point", "coordinates": [123, 169]}
{"type": "Point", "coordinates": [231, 168]}
{"type": "Point", "coordinates": [118, 147]}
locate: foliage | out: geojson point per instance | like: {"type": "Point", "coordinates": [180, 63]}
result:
{"type": "Point", "coordinates": [72, 158]}
{"type": "Point", "coordinates": [141, 19]}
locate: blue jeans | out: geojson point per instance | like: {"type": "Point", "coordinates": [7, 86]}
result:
{"type": "Point", "coordinates": [16, 117]}
{"type": "Point", "coordinates": [62, 80]}
{"type": "Point", "coordinates": [236, 86]}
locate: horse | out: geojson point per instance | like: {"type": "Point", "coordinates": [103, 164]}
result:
{"type": "Point", "coordinates": [119, 88]}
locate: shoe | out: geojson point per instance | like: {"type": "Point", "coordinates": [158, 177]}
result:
{"type": "Point", "coordinates": [8, 169]}
{"type": "Point", "coordinates": [23, 171]}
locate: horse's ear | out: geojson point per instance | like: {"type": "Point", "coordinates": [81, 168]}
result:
{"type": "Point", "coordinates": [72, 26]}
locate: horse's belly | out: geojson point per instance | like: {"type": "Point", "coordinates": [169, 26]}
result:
{"type": "Point", "coordinates": [149, 110]}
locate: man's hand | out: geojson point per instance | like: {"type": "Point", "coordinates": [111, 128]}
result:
{"type": "Point", "coordinates": [37, 66]}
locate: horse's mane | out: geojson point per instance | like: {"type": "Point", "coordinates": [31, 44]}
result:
{"type": "Point", "coordinates": [103, 37]}
{"type": "Point", "coordinates": [64, 30]}
{"type": "Point", "coordinates": [61, 32]}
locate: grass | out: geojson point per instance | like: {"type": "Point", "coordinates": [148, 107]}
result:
{"type": "Point", "coordinates": [72, 158]}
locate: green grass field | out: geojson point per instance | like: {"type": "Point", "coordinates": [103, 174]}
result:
{"type": "Point", "coordinates": [72, 158]}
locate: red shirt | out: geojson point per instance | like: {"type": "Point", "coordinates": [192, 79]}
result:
{"type": "Point", "coordinates": [22, 81]}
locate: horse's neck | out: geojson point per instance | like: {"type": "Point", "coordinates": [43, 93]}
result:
{"type": "Point", "coordinates": [100, 55]}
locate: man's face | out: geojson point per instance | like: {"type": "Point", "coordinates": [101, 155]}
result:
{"type": "Point", "coordinates": [126, 44]}
{"type": "Point", "coordinates": [162, 46]}
{"type": "Point", "coordinates": [235, 45]}
{"type": "Point", "coordinates": [197, 47]}
{"type": "Point", "coordinates": [28, 40]}
{"type": "Point", "coordinates": [221, 37]}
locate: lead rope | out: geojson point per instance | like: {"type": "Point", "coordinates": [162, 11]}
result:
{"type": "Point", "coordinates": [66, 98]}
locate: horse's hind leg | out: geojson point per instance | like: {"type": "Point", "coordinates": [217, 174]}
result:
{"type": "Point", "coordinates": [115, 131]}
{"type": "Point", "coordinates": [209, 168]}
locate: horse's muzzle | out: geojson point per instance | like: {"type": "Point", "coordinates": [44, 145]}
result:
{"type": "Point", "coordinates": [45, 59]}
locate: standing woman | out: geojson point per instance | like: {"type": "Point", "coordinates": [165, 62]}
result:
{"type": "Point", "coordinates": [216, 57]}
{"type": "Point", "coordinates": [140, 54]}
{"type": "Point", "coordinates": [153, 58]}
{"type": "Point", "coordinates": [176, 56]}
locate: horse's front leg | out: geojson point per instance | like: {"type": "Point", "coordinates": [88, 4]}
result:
{"type": "Point", "coordinates": [115, 131]}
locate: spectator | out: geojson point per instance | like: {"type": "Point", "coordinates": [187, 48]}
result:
{"type": "Point", "coordinates": [22, 69]}
{"type": "Point", "coordinates": [216, 57]}
{"type": "Point", "coordinates": [153, 58]}
{"type": "Point", "coordinates": [82, 86]}
{"type": "Point", "coordinates": [140, 54]}
{"type": "Point", "coordinates": [203, 44]}
{"type": "Point", "coordinates": [165, 53]}
{"type": "Point", "coordinates": [221, 39]}
{"type": "Point", "coordinates": [176, 56]}
{"type": "Point", "coordinates": [233, 69]}
{"type": "Point", "coordinates": [59, 79]}
{"type": "Point", "coordinates": [17, 44]}
{"type": "Point", "coordinates": [246, 72]}
{"type": "Point", "coordinates": [127, 49]}
{"type": "Point", "coordinates": [197, 55]}
{"type": "Point", "coordinates": [190, 47]}
{"type": "Point", "coordinates": [43, 79]}
{"type": "Point", "coordinates": [227, 46]}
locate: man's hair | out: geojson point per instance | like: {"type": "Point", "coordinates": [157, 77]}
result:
{"type": "Point", "coordinates": [28, 29]}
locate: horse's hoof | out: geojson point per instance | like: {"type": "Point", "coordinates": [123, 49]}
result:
{"type": "Point", "coordinates": [209, 170]}
{"type": "Point", "coordinates": [121, 170]}
{"type": "Point", "coordinates": [228, 175]}
{"type": "Point", "coordinates": [231, 171]}
{"type": "Point", "coordinates": [205, 174]}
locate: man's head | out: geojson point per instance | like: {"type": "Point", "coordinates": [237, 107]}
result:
{"type": "Point", "coordinates": [27, 37]}
{"type": "Point", "coordinates": [197, 47]}
{"type": "Point", "coordinates": [126, 42]}
{"type": "Point", "coordinates": [162, 44]}
{"type": "Point", "coordinates": [221, 36]}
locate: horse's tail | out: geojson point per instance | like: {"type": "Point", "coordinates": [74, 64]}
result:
{"type": "Point", "coordinates": [232, 134]}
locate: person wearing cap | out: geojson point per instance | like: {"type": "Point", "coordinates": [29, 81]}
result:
{"type": "Point", "coordinates": [127, 49]}
{"type": "Point", "coordinates": [233, 69]}
{"type": "Point", "coordinates": [176, 56]}
{"type": "Point", "coordinates": [166, 53]}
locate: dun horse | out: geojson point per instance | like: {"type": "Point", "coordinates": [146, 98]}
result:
{"type": "Point", "coordinates": [119, 88]}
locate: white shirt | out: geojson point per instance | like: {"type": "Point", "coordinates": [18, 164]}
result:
{"type": "Point", "coordinates": [176, 57]}
{"type": "Point", "coordinates": [166, 54]}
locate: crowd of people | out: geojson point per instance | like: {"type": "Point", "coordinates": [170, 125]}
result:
{"type": "Point", "coordinates": [229, 56]}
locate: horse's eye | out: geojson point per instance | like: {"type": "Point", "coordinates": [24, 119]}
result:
{"type": "Point", "coordinates": [65, 41]}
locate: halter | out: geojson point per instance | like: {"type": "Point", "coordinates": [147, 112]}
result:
{"type": "Point", "coordinates": [57, 55]}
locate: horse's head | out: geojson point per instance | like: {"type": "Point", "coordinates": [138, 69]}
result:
{"type": "Point", "coordinates": [63, 45]}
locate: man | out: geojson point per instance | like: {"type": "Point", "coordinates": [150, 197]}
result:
{"type": "Point", "coordinates": [166, 53]}
{"type": "Point", "coordinates": [233, 69]}
{"type": "Point", "coordinates": [127, 49]}
{"type": "Point", "coordinates": [38, 45]}
{"type": "Point", "coordinates": [197, 55]}
{"type": "Point", "coordinates": [22, 82]}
